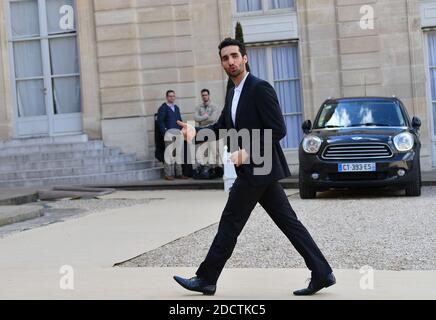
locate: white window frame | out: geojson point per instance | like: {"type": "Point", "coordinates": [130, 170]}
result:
{"type": "Point", "coordinates": [47, 76]}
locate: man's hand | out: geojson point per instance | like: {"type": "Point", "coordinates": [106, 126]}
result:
{"type": "Point", "coordinates": [188, 131]}
{"type": "Point", "coordinates": [239, 157]}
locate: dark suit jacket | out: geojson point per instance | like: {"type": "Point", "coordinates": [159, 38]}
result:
{"type": "Point", "coordinates": [258, 108]}
{"type": "Point", "coordinates": [167, 119]}
{"type": "Point", "coordinates": [159, 142]}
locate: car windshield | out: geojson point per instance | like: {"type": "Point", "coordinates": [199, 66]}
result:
{"type": "Point", "coordinates": [361, 113]}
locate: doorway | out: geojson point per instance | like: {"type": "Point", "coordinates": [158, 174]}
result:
{"type": "Point", "coordinates": [44, 60]}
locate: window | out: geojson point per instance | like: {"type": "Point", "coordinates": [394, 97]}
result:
{"type": "Point", "coordinates": [280, 66]}
{"type": "Point", "coordinates": [432, 67]}
{"type": "Point", "coordinates": [248, 5]}
{"type": "Point", "coordinates": [352, 113]}
{"type": "Point", "coordinates": [46, 58]}
{"type": "Point", "coordinates": [280, 4]}
{"type": "Point", "coordinates": [261, 5]}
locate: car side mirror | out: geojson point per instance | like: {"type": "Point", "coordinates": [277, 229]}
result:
{"type": "Point", "coordinates": [416, 123]}
{"type": "Point", "coordinates": [307, 126]}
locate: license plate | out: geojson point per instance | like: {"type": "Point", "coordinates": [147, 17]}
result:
{"type": "Point", "coordinates": [357, 167]}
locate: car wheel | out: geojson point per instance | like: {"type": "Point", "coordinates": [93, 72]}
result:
{"type": "Point", "coordinates": [414, 189]}
{"type": "Point", "coordinates": [306, 192]}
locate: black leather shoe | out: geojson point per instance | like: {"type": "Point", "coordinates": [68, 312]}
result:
{"type": "Point", "coordinates": [196, 284]}
{"type": "Point", "coordinates": [316, 285]}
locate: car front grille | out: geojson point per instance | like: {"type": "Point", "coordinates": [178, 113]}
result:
{"type": "Point", "coordinates": [357, 151]}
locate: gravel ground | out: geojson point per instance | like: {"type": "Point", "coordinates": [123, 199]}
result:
{"type": "Point", "coordinates": [386, 231]}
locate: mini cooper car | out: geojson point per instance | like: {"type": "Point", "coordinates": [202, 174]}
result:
{"type": "Point", "coordinates": [360, 142]}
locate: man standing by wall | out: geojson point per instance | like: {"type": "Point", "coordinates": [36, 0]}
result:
{"type": "Point", "coordinates": [207, 114]}
{"type": "Point", "coordinates": [168, 115]}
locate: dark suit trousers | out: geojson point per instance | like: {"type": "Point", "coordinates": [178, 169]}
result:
{"type": "Point", "coordinates": [242, 200]}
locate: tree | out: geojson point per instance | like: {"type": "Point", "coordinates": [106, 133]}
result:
{"type": "Point", "coordinates": [239, 35]}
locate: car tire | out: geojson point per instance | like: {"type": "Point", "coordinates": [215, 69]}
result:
{"type": "Point", "coordinates": [306, 192]}
{"type": "Point", "coordinates": [414, 188]}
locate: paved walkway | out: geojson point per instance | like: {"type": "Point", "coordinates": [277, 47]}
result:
{"type": "Point", "coordinates": [30, 261]}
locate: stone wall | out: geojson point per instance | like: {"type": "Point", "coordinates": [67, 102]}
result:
{"type": "Point", "coordinates": [146, 47]}
{"type": "Point", "coordinates": [341, 59]}
{"type": "Point", "coordinates": [133, 51]}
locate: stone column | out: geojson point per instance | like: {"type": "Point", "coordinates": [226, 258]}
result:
{"type": "Point", "coordinates": [319, 52]}
{"type": "Point", "coordinates": [91, 107]}
{"type": "Point", "coordinates": [5, 89]}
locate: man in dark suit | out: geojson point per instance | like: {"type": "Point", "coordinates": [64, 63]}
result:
{"type": "Point", "coordinates": [167, 117]}
{"type": "Point", "coordinates": [253, 105]}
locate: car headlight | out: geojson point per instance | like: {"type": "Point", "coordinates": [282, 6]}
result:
{"type": "Point", "coordinates": [404, 142]}
{"type": "Point", "coordinates": [311, 144]}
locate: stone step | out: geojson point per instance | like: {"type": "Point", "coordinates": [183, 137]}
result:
{"type": "Point", "coordinates": [24, 158]}
{"type": "Point", "coordinates": [16, 197]}
{"type": "Point", "coordinates": [6, 167]}
{"type": "Point", "coordinates": [89, 179]}
{"type": "Point", "coordinates": [56, 193]}
{"type": "Point", "coordinates": [44, 140]}
{"type": "Point", "coordinates": [51, 148]}
{"type": "Point", "coordinates": [76, 171]}
{"type": "Point", "coordinates": [14, 214]}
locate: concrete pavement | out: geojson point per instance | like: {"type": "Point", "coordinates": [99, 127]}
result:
{"type": "Point", "coordinates": [30, 262]}
{"type": "Point", "coordinates": [105, 238]}
{"type": "Point", "coordinates": [235, 284]}
{"type": "Point", "coordinates": [14, 214]}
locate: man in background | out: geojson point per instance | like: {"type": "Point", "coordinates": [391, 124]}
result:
{"type": "Point", "coordinates": [206, 114]}
{"type": "Point", "coordinates": [167, 117]}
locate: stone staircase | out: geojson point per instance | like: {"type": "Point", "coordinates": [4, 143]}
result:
{"type": "Point", "coordinates": [70, 160]}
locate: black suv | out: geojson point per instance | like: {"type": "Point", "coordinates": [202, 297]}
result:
{"type": "Point", "coordinates": [360, 142]}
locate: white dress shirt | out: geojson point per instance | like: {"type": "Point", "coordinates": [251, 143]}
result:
{"type": "Point", "coordinates": [235, 101]}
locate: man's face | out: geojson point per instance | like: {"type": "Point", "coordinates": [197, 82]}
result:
{"type": "Point", "coordinates": [232, 61]}
{"type": "Point", "coordinates": [171, 97]}
{"type": "Point", "coordinates": [205, 96]}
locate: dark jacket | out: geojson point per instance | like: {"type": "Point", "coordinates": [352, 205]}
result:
{"type": "Point", "coordinates": [158, 141]}
{"type": "Point", "coordinates": [167, 119]}
{"type": "Point", "coordinates": [258, 108]}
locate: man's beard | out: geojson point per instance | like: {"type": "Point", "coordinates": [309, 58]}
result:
{"type": "Point", "coordinates": [237, 72]}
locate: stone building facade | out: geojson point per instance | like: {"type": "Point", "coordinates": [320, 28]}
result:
{"type": "Point", "coordinates": [102, 67]}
